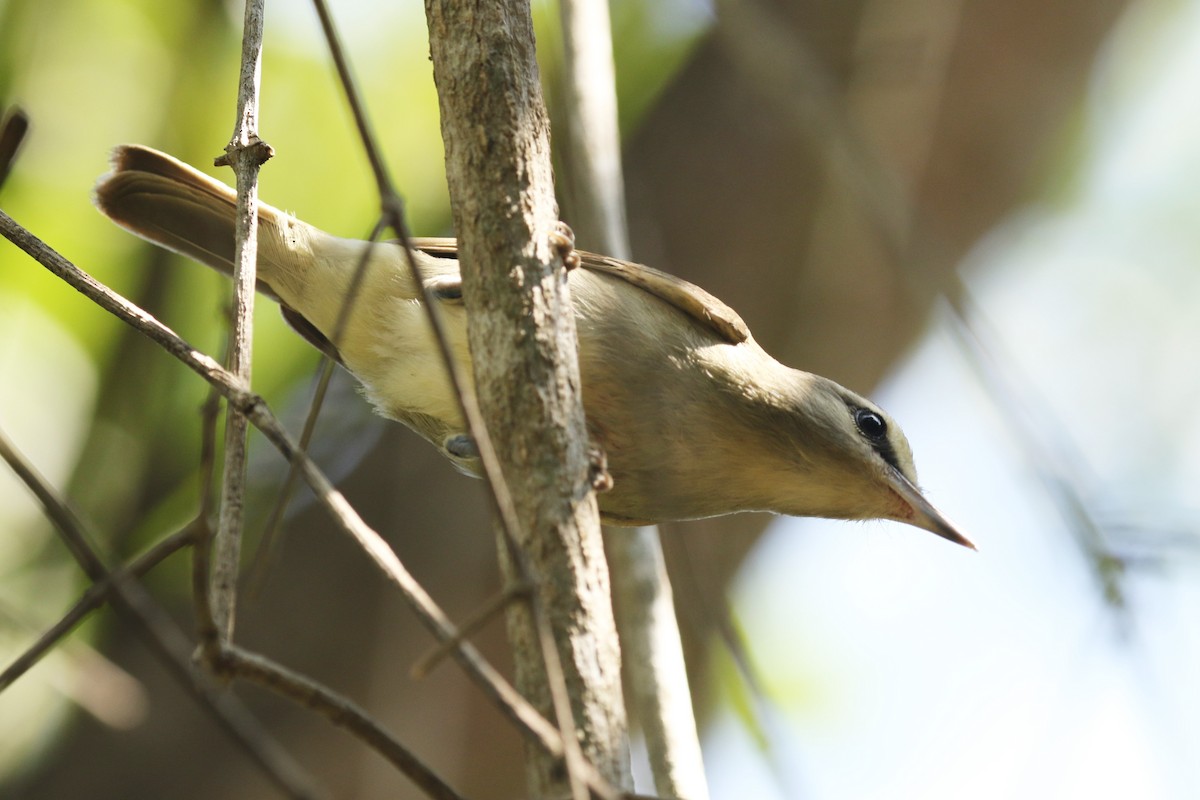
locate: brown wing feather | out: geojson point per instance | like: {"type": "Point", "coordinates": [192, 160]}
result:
{"type": "Point", "coordinates": [687, 297]}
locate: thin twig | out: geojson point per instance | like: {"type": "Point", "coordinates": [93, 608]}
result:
{"type": "Point", "coordinates": [392, 210]}
{"type": "Point", "coordinates": [268, 544]}
{"type": "Point", "coordinates": [245, 153]}
{"type": "Point", "coordinates": [165, 638]}
{"type": "Point", "coordinates": [526, 718]}
{"type": "Point", "coordinates": [338, 710]}
{"type": "Point", "coordinates": [266, 547]}
{"type": "Point", "coordinates": [1046, 446]}
{"type": "Point", "coordinates": [206, 624]}
{"type": "Point", "coordinates": [466, 629]}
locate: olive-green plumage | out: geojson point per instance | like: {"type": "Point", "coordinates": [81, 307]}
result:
{"type": "Point", "coordinates": [694, 417]}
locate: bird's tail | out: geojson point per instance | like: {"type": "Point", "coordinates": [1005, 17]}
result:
{"type": "Point", "coordinates": [167, 202]}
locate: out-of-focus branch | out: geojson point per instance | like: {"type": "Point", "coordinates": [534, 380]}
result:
{"type": "Point", "coordinates": [655, 676]}
{"type": "Point", "coordinates": [1047, 450]}
{"type": "Point", "coordinates": [165, 638]}
{"type": "Point", "coordinates": [338, 710]}
{"type": "Point", "coordinates": [13, 128]}
{"type": "Point", "coordinates": [93, 598]}
{"type": "Point", "coordinates": [593, 142]}
{"type": "Point", "coordinates": [521, 321]}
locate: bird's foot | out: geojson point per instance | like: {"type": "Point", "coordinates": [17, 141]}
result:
{"type": "Point", "coordinates": [563, 242]}
{"type": "Point", "coordinates": [598, 474]}
{"type": "Point", "coordinates": [461, 446]}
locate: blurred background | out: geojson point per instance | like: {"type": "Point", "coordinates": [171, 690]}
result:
{"type": "Point", "coordinates": [982, 214]}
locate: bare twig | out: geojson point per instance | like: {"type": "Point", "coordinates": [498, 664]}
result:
{"type": "Point", "coordinates": [655, 676]}
{"type": "Point", "coordinates": [467, 629]}
{"type": "Point", "coordinates": [162, 635]}
{"type": "Point", "coordinates": [266, 547]}
{"type": "Point", "coordinates": [507, 699]}
{"type": "Point", "coordinates": [206, 624]}
{"type": "Point", "coordinates": [338, 710]}
{"type": "Point", "coordinates": [239, 663]}
{"type": "Point", "coordinates": [245, 153]}
{"type": "Point", "coordinates": [392, 209]}
{"type": "Point", "coordinates": [268, 544]}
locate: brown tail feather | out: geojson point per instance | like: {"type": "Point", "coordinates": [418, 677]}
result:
{"type": "Point", "coordinates": [167, 202]}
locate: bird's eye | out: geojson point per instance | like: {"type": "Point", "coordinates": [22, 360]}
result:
{"type": "Point", "coordinates": [870, 424]}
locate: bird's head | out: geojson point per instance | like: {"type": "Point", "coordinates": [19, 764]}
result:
{"type": "Point", "coordinates": [856, 461]}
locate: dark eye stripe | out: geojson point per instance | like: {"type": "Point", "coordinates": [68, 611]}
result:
{"type": "Point", "coordinates": [887, 453]}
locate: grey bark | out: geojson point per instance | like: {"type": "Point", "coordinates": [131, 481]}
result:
{"type": "Point", "coordinates": [245, 154]}
{"type": "Point", "coordinates": [522, 338]}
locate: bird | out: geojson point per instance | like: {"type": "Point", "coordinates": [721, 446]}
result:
{"type": "Point", "coordinates": [693, 417]}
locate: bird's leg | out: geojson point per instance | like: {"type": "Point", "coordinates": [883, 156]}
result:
{"type": "Point", "coordinates": [598, 474]}
{"type": "Point", "coordinates": [563, 241]}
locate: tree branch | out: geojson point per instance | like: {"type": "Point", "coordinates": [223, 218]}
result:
{"type": "Point", "coordinates": [245, 153]}
{"type": "Point", "coordinates": [165, 638]}
{"type": "Point", "coordinates": [96, 595]}
{"type": "Point", "coordinates": [520, 323]}
{"type": "Point", "coordinates": [338, 710]}
{"type": "Point", "coordinates": [656, 682]}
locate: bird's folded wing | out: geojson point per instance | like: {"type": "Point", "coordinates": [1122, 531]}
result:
{"type": "Point", "coordinates": [687, 297]}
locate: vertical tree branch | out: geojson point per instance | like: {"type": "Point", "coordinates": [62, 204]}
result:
{"type": "Point", "coordinates": [597, 198]}
{"type": "Point", "coordinates": [522, 338]}
{"type": "Point", "coordinates": [656, 681]}
{"type": "Point", "coordinates": [656, 684]}
{"type": "Point", "coordinates": [245, 153]}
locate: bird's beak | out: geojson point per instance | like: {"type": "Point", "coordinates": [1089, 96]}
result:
{"type": "Point", "coordinates": [922, 514]}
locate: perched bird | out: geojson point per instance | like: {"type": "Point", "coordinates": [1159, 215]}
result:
{"type": "Point", "coordinates": [695, 419]}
